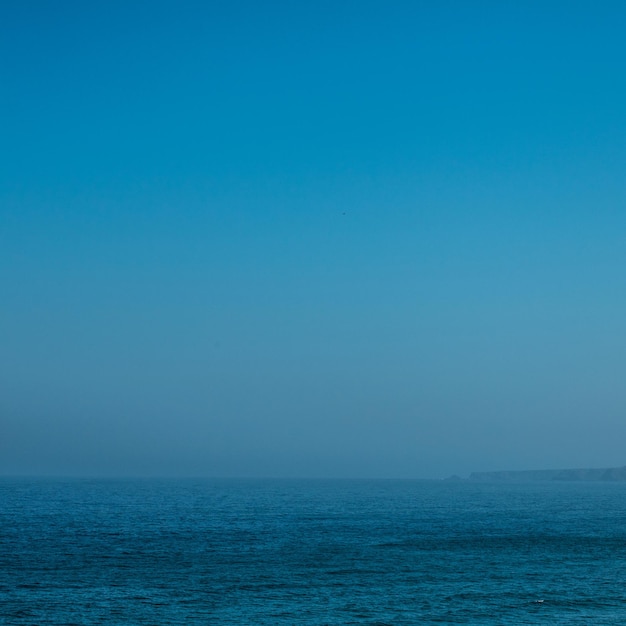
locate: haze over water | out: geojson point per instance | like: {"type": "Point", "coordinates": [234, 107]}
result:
{"type": "Point", "coordinates": [331, 240]}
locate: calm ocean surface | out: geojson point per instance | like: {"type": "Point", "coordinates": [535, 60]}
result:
{"type": "Point", "coordinates": [311, 552]}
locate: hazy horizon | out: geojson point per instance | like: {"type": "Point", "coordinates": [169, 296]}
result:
{"type": "Point", "coordinates": [379, 240]}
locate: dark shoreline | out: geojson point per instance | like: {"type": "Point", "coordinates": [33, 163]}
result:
{"type": "Point", "coordinates": [611, 474]}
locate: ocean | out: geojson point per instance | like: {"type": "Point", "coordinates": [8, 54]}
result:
{"type": "Point", "coordinates": [311, 552]}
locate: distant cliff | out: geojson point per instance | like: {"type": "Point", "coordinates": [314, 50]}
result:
{"type": "Point", "coordinates": [614, 474]}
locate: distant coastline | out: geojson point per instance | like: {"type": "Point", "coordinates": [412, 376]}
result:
{"type": "Point", "coordinates": [611, 474]}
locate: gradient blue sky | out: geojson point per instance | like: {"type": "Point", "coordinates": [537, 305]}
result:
{"type": "Point", "coordinates": [328, 239]}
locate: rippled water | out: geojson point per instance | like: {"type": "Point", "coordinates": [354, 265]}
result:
{"type": "Point", "coordinates": [311, 552]}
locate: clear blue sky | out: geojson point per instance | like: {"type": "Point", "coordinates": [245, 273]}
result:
{"type": "Point", "coordinates": [312, 239]}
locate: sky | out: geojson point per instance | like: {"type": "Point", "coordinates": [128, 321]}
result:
{"type": "Point", "coordinates": [327, 239]}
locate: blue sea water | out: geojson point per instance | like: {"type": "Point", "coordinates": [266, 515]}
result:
{"type": "Point", "coordinates": [311, 552]}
